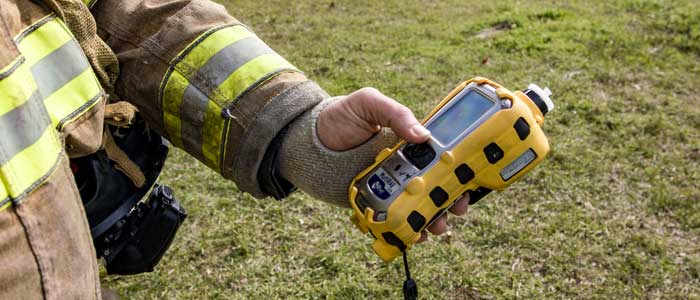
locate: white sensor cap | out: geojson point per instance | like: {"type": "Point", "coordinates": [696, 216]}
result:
{"type": "Point", "coordinates": [545, 94]}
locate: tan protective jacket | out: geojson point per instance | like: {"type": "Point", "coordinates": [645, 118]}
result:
{"type": "Point", "coordinates": [198, 77]}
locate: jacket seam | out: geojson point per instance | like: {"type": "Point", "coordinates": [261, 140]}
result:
{"type": "Point", "coordinates": [35, 26]}
{"type": "Point", "coordinates": [39, 265]}
{"type": "Point", "coordinates": [18, 62]}
{"type": "Point", "coordinates": [79, 111]}
{"type": "Point", "coordinates": [18, 200]}
{"type": "Point", "coordinates": [4, 201]}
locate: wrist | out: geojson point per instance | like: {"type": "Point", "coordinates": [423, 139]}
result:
{"type": "Point", "coordinates": [318, 170]}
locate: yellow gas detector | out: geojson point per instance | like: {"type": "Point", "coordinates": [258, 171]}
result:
{"type": "Point", "coordinates": [483, 138]}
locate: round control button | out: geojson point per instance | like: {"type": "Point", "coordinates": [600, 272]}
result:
{"type": "Point", "coordinates": [420, 155]}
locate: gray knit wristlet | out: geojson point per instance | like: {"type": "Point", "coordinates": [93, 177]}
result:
{"type": "Point", "coordinates": [323, 173]}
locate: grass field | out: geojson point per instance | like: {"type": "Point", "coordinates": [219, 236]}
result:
{"type": "Point", "coordinates": [613, 213]}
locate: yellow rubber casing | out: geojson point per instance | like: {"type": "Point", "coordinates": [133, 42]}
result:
{"type": "Point", "coordinates": [415, 198]}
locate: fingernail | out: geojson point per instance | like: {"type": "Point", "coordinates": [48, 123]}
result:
{"type": "Point", "coordinates": [420, 131]}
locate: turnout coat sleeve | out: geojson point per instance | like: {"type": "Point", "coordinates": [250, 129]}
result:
{"type": "Point", "coordinates": [204, 81]}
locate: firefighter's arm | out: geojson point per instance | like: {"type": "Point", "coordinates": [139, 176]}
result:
{"type": "Point", "coordinates": [205, 81]}
{"type": "Point", "coordinates": [209, 85]}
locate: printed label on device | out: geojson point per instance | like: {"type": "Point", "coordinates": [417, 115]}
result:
{"type": "Point", "coordinates": [382, 184]}
{"type": "Point", "coordinates": [518, 164]}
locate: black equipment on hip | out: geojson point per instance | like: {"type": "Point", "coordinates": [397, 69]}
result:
{"type": "Point", "coordinates": [131, 235]}
{"type": "Point", "coordinates": [136, 243]}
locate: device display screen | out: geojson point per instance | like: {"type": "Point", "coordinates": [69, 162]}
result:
{"type": "Point", "coordinates": [459, 117]}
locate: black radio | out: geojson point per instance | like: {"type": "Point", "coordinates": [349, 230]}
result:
{"type": "Point", "coordinates": [130, 234]}
{"type": "Point", "coordinates": [136, 243]}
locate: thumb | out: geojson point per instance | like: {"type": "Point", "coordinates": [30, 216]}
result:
{"type": "Point", "coordinates": [378, 109]}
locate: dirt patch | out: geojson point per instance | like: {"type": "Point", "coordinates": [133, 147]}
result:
{"type": "Point", "coordinates": [495, 29]}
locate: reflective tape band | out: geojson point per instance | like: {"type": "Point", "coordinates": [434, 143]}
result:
{"type": "Point", "coordinates": [10, 68]}
{"type": "Point", "coordinates": [213, 127]}
{"type": "Point", "coordinates": [74, 98]}
{"type": "Point", "coordinates": [41, 38]}
{"type": "Point", "coordinates": [196, 54]}
{"type": "Point", "coordinates": [52, 71]}
{"type": "Point", "coordinates": [16, 88]}
{"type": "Point", "coordinates": [65, 79]}
{"type": "Point", "coordinates": [208, 75]}
{"type": "Point", "coordinates": [29, 146]}
{"type": "Point", "coordinates": [253, 72]}
{"type": "Point", "coordinates": [192, 112]}
{"type": "Point", "coordinates": [172, 100]}
{"type": "Point", "coordinates": [220, 66]}
{"type": "Point", "coordinates": [191, 59]}
{"type": "Point", "coordinates": [29, 168]}
{"type": "Point", "coordinates": [19, 127]}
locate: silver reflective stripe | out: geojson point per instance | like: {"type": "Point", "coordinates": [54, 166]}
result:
{"type": "Point", "coordinates": [59, 67]}
{"type": "Point", "coordinates": [217, 69]}
{"type": "Point", "coordinates": [228, 60]}
{"type": "Point", "coordinates": [192, 112]}
{"type": "Point", "coordinates": [22, 126]}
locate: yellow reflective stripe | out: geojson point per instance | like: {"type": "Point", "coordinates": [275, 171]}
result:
{"type": "Point", "coordinates": [213, 128]}
{"type": "Point", "coordinates": [207, 76]}
{"type": "Point", "coordinates": [172, 100]}
{"type": "Point", "coordinates": [29, 145]}
{"type": "Point", "coordinates": [67, 102]}
{"type": "Point", "coordinates": [16, 89]}
{"type": "Point", "coordinates": [4, 196]}
{"type": "Point", "coordinates": [43, 40]}
{"type": "Point", "coordinates": [11, 67]}
{"type": "Point", "coordinates": [201, 50]}
{"type": "Point", "coordinates": [30, 167]}
{"type": "Point", "coordinates": [251, 73]}
{"type": "Point", "coordinates": [188, 61]}
{"type": "Point", "coordinates": [63, 74]}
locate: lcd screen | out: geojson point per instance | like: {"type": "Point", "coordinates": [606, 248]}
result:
{"type": "Point", "coordinates": [459, 117]}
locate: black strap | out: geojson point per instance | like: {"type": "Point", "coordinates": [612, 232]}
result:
{"type": "Point", "coordinates": [410, 288]}
{"type": "Point", "coordinates": [271, 182]}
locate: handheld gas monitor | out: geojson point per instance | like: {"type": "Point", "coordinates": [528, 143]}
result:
{"type": "Point", "coordinates": [483, 138]}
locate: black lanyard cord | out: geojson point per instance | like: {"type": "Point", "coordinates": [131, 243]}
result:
{"type": "Point", "coordinates": [410, 288]}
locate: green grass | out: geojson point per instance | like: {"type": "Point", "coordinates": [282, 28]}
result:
{"type": "Point", "coordinates": [613, 213]}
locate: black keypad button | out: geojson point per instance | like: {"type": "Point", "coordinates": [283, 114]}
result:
{"type": "Point", "coordinates": [416, 220]}
{"type": "Point", "coordinates": [476, 195]}
{"type": "Point", "coordinates": [420, 155]}
{"type": "Point", "coordinates": [522, 128]}
{"type": "Point", "coordinates": [464, 173]}
{"type": "Point", "coordinates": [439, 196]}
{"type": "Point", "coordinates": [493, 153]}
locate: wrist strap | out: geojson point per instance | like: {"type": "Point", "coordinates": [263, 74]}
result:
{"type": "Point", "coordinates": [271, 181]}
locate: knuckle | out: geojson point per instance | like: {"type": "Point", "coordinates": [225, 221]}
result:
{"type": "Point", "coordinates": [402, 111]}
{"type": "Point", "coordinates": [369, 89]}
{"type": "Point", "coordinates": [366, 92]}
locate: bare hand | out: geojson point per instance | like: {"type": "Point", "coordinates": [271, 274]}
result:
{"type": "Point", "coordinates": [354, 119]}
